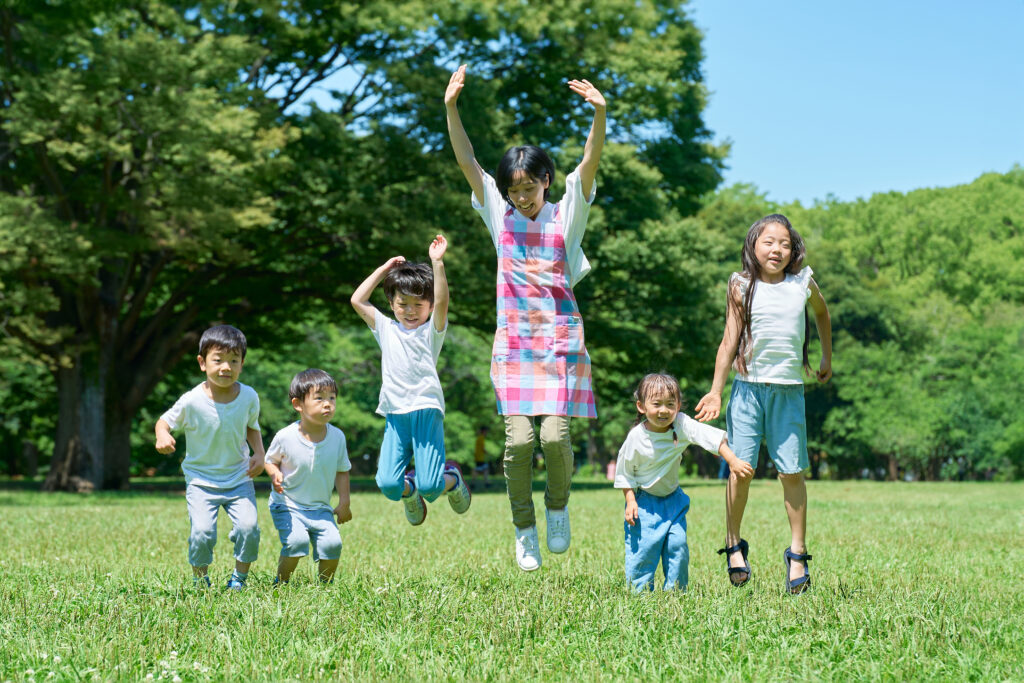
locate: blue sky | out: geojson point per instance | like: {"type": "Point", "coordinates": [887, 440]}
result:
{"type": "Point", "coordinates": [854, 98]}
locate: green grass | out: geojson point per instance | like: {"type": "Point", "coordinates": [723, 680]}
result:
{"type": "Point", "coordinates": [911, 581]}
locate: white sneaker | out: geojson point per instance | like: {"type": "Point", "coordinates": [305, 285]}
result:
{"type": "Point", "coordinates": [527, 548]}
{"type": "Point", "coordinates": [559, 534]}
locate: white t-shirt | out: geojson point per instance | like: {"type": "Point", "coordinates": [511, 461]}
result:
{"type": "Point", "coordinates": [573, 212]}
{"type": "Point", "coordinates": [216, 452]}
{"type": "Point", "coordinates": [308, 468]}
{"type": "Point", "coordinates": [777, 328]}
{"type": "Point", "coordinates": [650, 461]}
{"type": "Point", "coordinates": [408, 365]}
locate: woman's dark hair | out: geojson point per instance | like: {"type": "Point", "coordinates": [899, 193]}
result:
{"type": "Point", "coordinates": [658, 384]}
{"type": "Point", "coordinates": [752, 272]}
{"type": "Point", "coordinates": [411, 279]}
{"type": "Point", "coordinates": [311, 380]}
{"type": "Point", "coordinates": [528, 159]}
{"type": "Point", "coordinates": [223, 337]}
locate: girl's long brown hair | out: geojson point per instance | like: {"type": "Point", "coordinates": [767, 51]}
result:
{"type": "Point", "coordinates": [752, 272]}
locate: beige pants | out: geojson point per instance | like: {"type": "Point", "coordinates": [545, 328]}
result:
{"type": "Point", "coordinates": [558, 461]}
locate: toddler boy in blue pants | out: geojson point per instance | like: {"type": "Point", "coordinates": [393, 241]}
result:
{"type": "Point", "coordinates": [303, 461]}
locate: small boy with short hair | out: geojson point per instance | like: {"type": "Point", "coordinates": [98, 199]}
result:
{"type": "Point", "coordinates": [411, 399]}
{"type": "Point", "coordinates": [303, 461]}
{"type": "Point", "coordinates": [220, 418]}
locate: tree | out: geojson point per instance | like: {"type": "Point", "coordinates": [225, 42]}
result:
{"type": "Point", "coordinates": [161, 173]}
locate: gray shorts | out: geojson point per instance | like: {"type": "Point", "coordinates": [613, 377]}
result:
{"type": "Point", "coordinates": [299, 528]}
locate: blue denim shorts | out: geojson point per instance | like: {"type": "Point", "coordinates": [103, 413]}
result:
{"type": "Point", "coordinates": [298, 528]}
{"type": "Point", "coordinates": [774, 414]}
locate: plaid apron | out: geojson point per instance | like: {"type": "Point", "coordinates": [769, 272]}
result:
{"type": "Point", "coordinates": [539, 365]}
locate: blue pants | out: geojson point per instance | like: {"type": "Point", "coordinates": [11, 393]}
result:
{"type": "Point", "coordinates": [659, 534]}
{"type": "Point", "coordinates": [297, 528]}
{"type": "Point", "coordinates": [204, 502]}
{"type": "Point", "coordinates": [419, 435]}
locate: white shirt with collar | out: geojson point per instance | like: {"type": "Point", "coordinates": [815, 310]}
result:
{"type": "Point", "coordinates": [650, 460]}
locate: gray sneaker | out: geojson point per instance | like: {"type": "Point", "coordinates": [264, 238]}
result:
{"type": "Point", "coordinates": [415, 506]}
{"type": "Point", "coordinates": [459, 497]}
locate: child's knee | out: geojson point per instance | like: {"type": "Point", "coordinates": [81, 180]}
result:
{"type": "Point", "coordinates": [295, 545]}
{"type": "Point", "coordinates": [329, 547]}
{"type": "Point", "coordinates": [519, 448]}
{"type": "Point", "coordinates": [391, 487]}
{"type": "Point", "coordinates": [431, 490]}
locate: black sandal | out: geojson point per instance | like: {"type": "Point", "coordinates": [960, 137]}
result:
{"type": "Point", "coordinates": [745, 569]}
{"type": "Point", "coordinates": [801, 584]}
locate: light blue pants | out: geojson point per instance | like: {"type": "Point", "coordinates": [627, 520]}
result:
{"type": "Point", "coordinates": [204, 502]}
{"type": "Point", "coordinates": [419, 435]}
{"type": "Point", "coordinates": [298, 528]}
{"type": "Point", "coordinates": [659, 534]}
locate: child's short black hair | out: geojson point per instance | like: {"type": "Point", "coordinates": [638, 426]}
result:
{"type": "Point", "coordinates": [528, 159]}
{"type": "Point", "coordinates": [223, 337]}
{"type": "Point", "coordinates": [411, 279]}
{"type": "Point", "coordinates": [311, 380]}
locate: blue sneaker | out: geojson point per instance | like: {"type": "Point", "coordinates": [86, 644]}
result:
{"type": "Point", "coordinates": [235, 584]}
{"type": "Point", "coordinates": [201, 582]}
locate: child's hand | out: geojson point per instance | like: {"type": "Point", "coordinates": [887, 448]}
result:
{"type": "Point", "coordinates": [455, 85]}
{"type": "Point", "coordinates": [343, 512]}
{"type": "Point", "coordinates": [709, 407]}
{"type": "Point", "coordinates": [165, 444]}
{"type": "Point", "coordinates": [632, 512]}
{"type": "Point", "coordinates": [741, 469]}
{"type": "Point", "coordinates": [255, 466]}
{"type": "Point", "coordinates": [393, 261]}
{"type": "Point", "coordinates": [277, 481]}
{"type": "Point", "coordinates": [824, 370]}
{"type": "Point", "coordinates": [587, 91]}
{"type": "Point", "coordinates": [438, 248]}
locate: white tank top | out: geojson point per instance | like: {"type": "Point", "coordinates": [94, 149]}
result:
{"type": "Point", "coordinates": [777, 329]}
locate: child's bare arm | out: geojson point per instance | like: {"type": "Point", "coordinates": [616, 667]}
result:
{"type": "Point", "coordinates": [595, 140]}
{"type": "Point", "coordinates": [343, 512]}
{"type": "Point", "coordinates": [361, 297]}
{"type": "Point", "coordinates": [823, 321]}
{"type": "Point", "coordinates": [437, 251]}
{"type": "Point", "coordinates": [276, 475]}
{"type": "Point", "coordinates": [709, 407]}
{"type": "Point", "coordinates": [164, 441]}
{"type": "Point", "coordinates": [457, 133]}
{"type": "Point", "coordinates": [255, 441]}
{"type": "Point", "coordinates": [632, 511]}
{"type": "Point", "coordinates": [740, 468]}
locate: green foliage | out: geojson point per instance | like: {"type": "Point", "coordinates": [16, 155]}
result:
{"type": "Point", "coordinates": [925, 295]}
{"type": "Point", "coordinates": [162, 174]}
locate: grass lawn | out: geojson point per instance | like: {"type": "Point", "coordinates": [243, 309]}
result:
{"type": "Point", "coordinates": [911, 581]}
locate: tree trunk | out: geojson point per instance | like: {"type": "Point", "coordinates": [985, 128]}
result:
{"type": "Point", "coordinates": [894, 471]}
{"type": "Point", "coordinates": [92, 448]}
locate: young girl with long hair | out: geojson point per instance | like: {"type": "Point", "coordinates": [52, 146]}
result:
{"type": "Point", "coordinates": [766, 341]}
